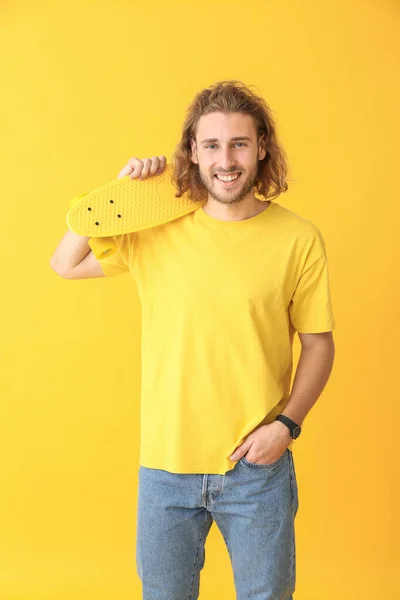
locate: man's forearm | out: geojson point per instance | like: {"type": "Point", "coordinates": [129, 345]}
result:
{"type": "Point", "coordinates": [312, 373]}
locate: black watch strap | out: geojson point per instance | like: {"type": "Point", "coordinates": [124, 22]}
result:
{"type": "Point", "coordinates": [294, 429]}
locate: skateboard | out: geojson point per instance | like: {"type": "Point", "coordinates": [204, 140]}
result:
{"type": "Point", "coordinates": [126, 205]}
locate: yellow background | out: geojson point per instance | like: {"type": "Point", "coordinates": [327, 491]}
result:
{"type": "Point", "coordinates": [87, 85]}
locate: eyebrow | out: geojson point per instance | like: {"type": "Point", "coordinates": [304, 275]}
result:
{"type": "Point", "coordinates": [234, 139]}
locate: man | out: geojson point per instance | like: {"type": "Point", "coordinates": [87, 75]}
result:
{"type": "Point", "coordinates": [223, 291]}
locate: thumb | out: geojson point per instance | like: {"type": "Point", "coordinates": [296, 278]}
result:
{"type": "Point", "coordinates": [240, 451]}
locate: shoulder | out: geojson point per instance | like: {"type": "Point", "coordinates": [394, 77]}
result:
{"type": "Point", "coordinates": [301, 233]}
{"type": "Point", "coordinates": [295, 219]}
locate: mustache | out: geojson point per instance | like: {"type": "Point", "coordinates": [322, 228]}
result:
{"type": "Point", "coordinates": [227, 172]}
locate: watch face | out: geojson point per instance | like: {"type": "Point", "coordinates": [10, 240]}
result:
{"type": "Point", "coordinates": [296, 431]}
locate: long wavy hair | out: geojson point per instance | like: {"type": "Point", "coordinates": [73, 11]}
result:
{"type": "Point", "coordinates": [230, 96]}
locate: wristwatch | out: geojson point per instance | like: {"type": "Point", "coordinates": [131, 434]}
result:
{"type": "Point", "coordinates": [295, 429]}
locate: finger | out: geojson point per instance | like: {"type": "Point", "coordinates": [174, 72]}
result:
{"type": "Point", "coordinates": [125, 171]}
{"type": "Point", "coordinates": [146, 168]}
{"type": "Point", "coordinates": [163, 162]}
{"type": "Point", "coordinates": [129, 167]}
{"type": "Point", "coordinates": [137, 168]}
{"type": "Point", "coordinates": [155, 164]}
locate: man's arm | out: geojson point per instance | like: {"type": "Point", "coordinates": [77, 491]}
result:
{"type": "Point", "coordinates": [313, 370]}
{"type": "Point", "coordinates": [73, 257]}
{"type": "Point", "coordinates": [71, 251]}
{"type": "Point", "coordinates": [312, 373]}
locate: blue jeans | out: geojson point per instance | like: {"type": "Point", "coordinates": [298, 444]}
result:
{"type": "Point", "coordinates": [254, 507]}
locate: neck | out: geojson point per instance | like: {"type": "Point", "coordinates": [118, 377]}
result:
{"type": "Point", "coordinates": [236, 211]}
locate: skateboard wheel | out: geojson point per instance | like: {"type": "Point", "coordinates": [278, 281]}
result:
{"type": "Point", "coordinates": [102, 247]}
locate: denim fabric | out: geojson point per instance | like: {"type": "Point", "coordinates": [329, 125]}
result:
{"type": "Point", "coordinates": [254, 507]}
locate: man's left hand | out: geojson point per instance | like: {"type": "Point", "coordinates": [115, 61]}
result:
{"type": "Point", "coordinates": [265, 445]}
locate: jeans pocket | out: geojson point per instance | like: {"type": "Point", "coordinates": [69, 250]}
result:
{"type": "Point", "coordinates": [280, 460]}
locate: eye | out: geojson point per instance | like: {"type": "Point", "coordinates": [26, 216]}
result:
{"type": "Point", "coordinates": [241, 143]}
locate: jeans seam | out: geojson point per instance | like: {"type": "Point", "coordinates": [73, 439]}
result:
{"type": "Point", "coordinates": [197, 555]}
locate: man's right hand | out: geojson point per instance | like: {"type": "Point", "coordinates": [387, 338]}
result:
{"type": "Point", "coordinates": [141, 168]}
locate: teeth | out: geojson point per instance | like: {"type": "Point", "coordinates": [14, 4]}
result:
{"type": "Point", "coordinates": [231, 178]}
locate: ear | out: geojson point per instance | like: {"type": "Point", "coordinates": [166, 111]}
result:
{"type": "Point", "coordinates": [262, 147]}
{"type": "Point", "coordinates": [193, 147]}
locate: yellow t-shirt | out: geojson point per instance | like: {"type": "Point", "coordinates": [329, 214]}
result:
{"type": "Point", "coordinates": [221, 301]}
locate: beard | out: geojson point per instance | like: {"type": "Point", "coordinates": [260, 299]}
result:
{"type": "Point", "coordinates": [242, 188]}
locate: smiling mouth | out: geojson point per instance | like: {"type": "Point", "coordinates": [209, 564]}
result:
{"type": "Point", "coordinates": [229, 182]}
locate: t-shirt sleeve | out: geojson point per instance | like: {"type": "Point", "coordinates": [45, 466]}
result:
{"type": "Point", "coordinates": [121, 260]}
{"type": "Point", "coordinates": [310, 309]}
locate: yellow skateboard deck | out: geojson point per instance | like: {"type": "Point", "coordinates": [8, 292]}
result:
{"type": "Point", "coordinates": [126, 205]}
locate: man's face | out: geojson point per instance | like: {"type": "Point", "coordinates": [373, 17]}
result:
{"type": "Point", "coordinates": [218, 153]}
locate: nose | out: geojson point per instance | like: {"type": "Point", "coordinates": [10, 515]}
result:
{"type": "Point", "coordinates": [227, 159]}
